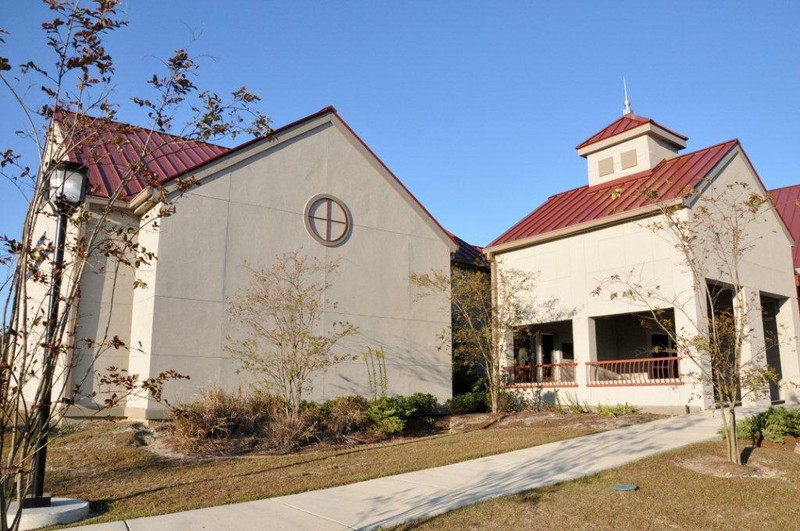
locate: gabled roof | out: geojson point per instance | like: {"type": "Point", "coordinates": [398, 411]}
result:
{"type": "Point", "coordinates": [112, 152]}
{"type": "Point", "coordinates": [109, 149]}
{"type": "Point", "coordinates": [626, 123]}
{"type": "Point", "coordinates": [467, 253]}
{"type": "Point", "coordinates": [787, 203]}
{"type": "Point", "coordinates": [670, 179]}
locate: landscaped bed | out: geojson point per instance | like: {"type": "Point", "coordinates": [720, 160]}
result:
{"type": "Point", "coordinates": [691, 488]}
{"type": "Point", "coordinates": [126, 470]}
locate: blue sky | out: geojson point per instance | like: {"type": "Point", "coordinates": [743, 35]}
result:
{"type": "Point", "coordinates": [476, 106]}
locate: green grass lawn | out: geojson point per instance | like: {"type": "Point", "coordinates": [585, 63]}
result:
{"type": "Point", "coordinates": [670, 497]}
{"type": "Point", "coordinates": [101, 462]}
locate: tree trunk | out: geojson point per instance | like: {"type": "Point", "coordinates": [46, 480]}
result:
{"type": "Point", "coordinates": [493, 396]}
{"type": "Point", "coordinates": [734, 455]}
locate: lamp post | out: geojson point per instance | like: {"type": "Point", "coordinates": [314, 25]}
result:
{"type": "Point", "coordinates": [66, 190]}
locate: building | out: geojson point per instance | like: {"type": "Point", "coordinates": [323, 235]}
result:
{"type": "Point", "coordinates": [313, 185]}
{"type": "Point", "coordinates": [598, 350]}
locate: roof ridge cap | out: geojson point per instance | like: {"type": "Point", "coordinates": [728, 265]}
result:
{"type": "Point", "coordinates": [632, 117]}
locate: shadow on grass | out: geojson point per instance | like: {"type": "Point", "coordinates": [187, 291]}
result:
{"type": "Point", "coordinates": [746, 453]}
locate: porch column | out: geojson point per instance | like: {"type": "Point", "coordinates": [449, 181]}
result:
{"type": "Point", "coordinates": [754, 354]}
{"type": "Point", "coordinates": [788, 321]}
{"type": "Point", "coordinates": [506, 350]}
{"type": "Point", "coordinates": [584, 340]}
{"type": "Point", "coordinates": [691, 320]}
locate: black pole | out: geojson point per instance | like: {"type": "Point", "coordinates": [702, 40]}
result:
{"type": "Point", "coordinates": [38, 497]}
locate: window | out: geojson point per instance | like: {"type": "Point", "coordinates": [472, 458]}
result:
{"type": "Point", "coordinates": [328, 220]}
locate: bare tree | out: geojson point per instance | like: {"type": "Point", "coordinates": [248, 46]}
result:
{"type": "Point", "coordinates": [484, 313]}
{"type": "Point", "coordinates": [712, 238]}
{"type": "Point", "coordinates": [280, 314]}
{"type": "Point", "coordinates": [65, 115]}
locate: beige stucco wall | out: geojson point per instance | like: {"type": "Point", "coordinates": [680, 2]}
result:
{"type": "Point", "coordinates": [765, 269]}
{"type": "Point", "coordinates": [768, 266]}
{"type": "Point", "coordinates": [254, 210]}
{"type": "Point", "coordinates": [34, 305]}
{"type": "Point", "coordinates": [104, 311]}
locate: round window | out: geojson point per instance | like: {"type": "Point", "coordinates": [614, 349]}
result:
{"type": "Point", "coordinates": [327, 220]}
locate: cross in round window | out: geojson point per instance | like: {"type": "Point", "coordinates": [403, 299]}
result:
{"type": "Point", "coordinates": [327, 220]}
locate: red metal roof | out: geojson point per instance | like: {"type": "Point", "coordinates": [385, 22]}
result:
{"type": "Point", "coordinates": [670, 179]}
{"type": "Point", "coordinates": [787, 203]}
{"type": "Point", "coordinates": [113, 152]}
{"type": "Point", "coordinates": [626, 123]}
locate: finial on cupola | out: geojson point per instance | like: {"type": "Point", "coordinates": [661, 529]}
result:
{"type": "Point", "coordinates": [627, 110]}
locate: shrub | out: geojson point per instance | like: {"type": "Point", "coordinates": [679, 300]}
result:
{"type": "Point", "coordinates": [285, 433]}
{"type": "Point", "coordinates": [219, 418]}
{"type": "Point", "coordinates": [222, 422]}
{"type": "Point", "coordinates": [574, 405]}
{"type": "Point", "coordinates": [750, 428]}
{"type": "Point", "coordinates": [773, 424]}
{"type": "Point", "coordinates": [344, 415]}
{"type": "Point", "coordinates": [388, 415]}
{"type": "Point", "coordinates": [473, 402]}
{"type": "Point", "coordinates": [421, 405]}
{"type": "Point", "coordinates": [618, 410]}
{"type": "Point", "coordinates": [509, 401]}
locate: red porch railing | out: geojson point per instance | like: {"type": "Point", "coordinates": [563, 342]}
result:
{"type": "Point", "coordinates": [644, 371]}
{"type": "Point", "coordinates": [546, 375]}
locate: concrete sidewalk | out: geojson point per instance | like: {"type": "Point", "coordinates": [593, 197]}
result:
{"type": "Point", "coordinates": [414, 495]}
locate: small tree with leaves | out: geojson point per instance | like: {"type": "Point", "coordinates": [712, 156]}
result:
{"type": "Point", "coordinates": [283, 343]}
{"type": "Point", "coordinates": [64, 112]}
{"type": "Point", "coordinates": [485, 312]}
{"type": "Point", "coordinates": [721, 227]}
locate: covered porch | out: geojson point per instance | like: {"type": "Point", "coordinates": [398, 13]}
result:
{"type": "Point", "coordinates": [632, 350]}
{"type": "Point", "coordinates": [544, 355]}
{"type": "Point", "coordinates": [629, 350]}
{"type": "Point", "coordinates": [601, 360]}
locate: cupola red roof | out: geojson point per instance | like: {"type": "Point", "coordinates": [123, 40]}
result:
{"type": "Point", "coordinates": [670, 179]}
{"type": "Point", "coordinates": [626, 123]}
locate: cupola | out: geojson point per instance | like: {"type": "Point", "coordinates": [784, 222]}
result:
{"type": "Point", "coordinates": [629, 145]}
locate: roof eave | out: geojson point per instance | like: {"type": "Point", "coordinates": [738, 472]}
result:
{"type": "Point", "coordinates": [651, 128]}
{"type": "Point", "coordinates": [580, 228]}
